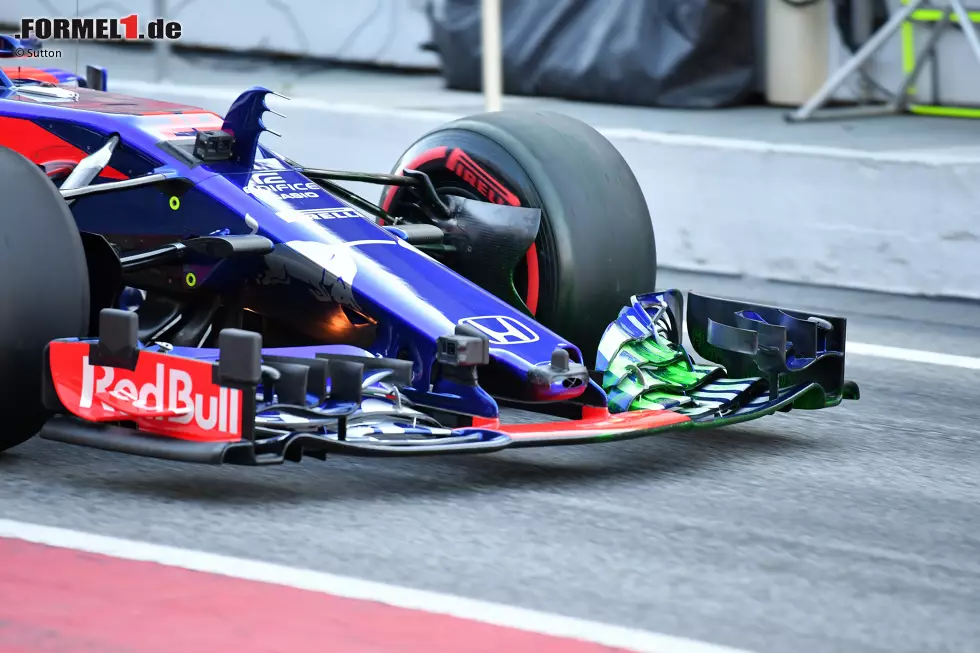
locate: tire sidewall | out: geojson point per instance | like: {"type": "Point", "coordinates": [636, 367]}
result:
{"type": "Point", "coordinates": [44, 289]}
{"type": "Point", "coordinates": [596, 244]}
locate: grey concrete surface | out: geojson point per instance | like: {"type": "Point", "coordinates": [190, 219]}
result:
{"type": "Point", "coordinates": [851, 529]}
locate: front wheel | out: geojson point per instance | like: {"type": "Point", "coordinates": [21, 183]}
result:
{"type": "Point", "coordinates": [44, 291]}
{"type": "Point", "coordinates": [595, 247]}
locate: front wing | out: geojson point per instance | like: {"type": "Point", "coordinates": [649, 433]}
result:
{"type": "Point", "coordinates": [245, 405]}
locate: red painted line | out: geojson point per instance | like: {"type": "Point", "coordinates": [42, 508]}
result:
{"type": "Point", "coordinates": [55, 600]}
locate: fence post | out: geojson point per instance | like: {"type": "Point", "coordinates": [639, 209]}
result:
{"type": "Point", "coordinates": [492, 54]}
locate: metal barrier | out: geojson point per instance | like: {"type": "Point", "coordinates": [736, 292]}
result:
{"type": "Point", "coordinates": [948, 11]}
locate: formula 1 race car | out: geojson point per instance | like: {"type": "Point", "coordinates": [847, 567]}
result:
{"type": "Point", "coordinates": [173, 288]}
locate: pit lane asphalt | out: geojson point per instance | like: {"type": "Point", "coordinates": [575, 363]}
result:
{"type": "Point", "coordinates": [854, 529]}
{"type": "Point", "coordinates": [851, 529]}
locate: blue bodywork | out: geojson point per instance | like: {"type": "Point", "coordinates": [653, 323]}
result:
{"type": "Point", "coordinates": [345, 278]}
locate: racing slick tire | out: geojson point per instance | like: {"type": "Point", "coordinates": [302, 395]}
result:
{"type": "Point", "coordinates": [595, 247]}
{"type": "Point", "coordinates": [44, 292]}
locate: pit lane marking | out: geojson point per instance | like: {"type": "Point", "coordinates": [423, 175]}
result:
{"type": "Point", "coordinates": [912, 355]}
{"type": "Point", "coordinates": [353, 588]}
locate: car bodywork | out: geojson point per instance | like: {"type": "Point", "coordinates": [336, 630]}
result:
{"type": "Point", "coordinates": [388, 351]}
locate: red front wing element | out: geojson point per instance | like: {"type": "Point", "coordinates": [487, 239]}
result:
{"type": "Point", "coordinates": [113, 395]}
{"type": "Point", "coordinates": [595, 425]}
{"type": "Point", "coordinates": [163, 394]}
{"type": "Point", "coordinates": [178, 397]}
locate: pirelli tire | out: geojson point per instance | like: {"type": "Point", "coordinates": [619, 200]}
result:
{"type": "Point", "coordinates": [596, 245]}
{"type": "Point", "coordinates": [44, 291]}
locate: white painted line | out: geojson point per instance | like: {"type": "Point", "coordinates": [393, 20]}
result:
{"type": "Point", "coordinates": [912, 355]}
{"type": "Point", "coordinates": [227, 94]}
{"type": "Point", "coordinates": [354, 588]}
{"type": "Point", "coordinates": [793, 149]}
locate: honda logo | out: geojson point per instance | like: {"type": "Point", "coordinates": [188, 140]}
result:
{"type": "Point", "coordinates": [502, 330]}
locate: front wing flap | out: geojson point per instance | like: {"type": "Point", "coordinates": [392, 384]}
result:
{"type": "Point", "coordinates": [756, 359]}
